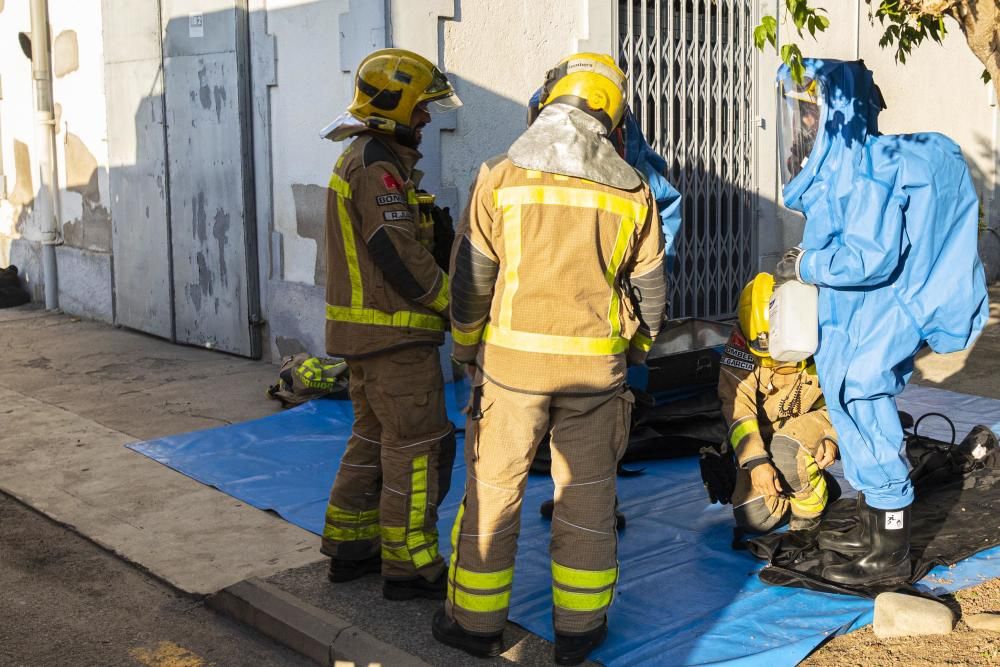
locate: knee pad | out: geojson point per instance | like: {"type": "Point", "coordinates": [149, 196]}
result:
{"type": "Point", "coordinates": [756, 517]}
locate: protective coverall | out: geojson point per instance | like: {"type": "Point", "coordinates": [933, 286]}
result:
{"type": "Point", "coordinates": [552, 231]}
{"type": "Point", "coordinates": [386, 307]}
{"type": "Point", "coordinates": [775, 414]}
{"type": "Point", "coordinates": [891, 240]}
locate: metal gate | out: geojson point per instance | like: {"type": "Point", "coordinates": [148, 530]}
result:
{"type": "Point", "coordinates": [690, 70]}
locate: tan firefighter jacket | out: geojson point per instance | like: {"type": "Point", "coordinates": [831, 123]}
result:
{"type": "Point", "coordinates": [383, 288]}
{"type": "Point", "coordinates": [540, 269]}
{"type": "Point", "coordinates": [757, 396]}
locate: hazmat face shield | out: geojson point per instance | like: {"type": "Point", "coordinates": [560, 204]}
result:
{"type": "Point", "coordinates": [800, 112]}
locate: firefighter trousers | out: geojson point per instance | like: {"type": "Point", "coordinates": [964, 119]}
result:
{"type": "Point", "coordinates": [397, 466]}
{"type": "Point", "coordinates": [503, 430]}
{"type": "Point", "coordinates": [792, 448]}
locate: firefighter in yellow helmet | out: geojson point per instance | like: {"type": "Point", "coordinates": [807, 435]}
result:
{"type": "Point", "coordinates": [778, 425]}
{"type": "Point", "coordinates": [559, 233]}
{"type": "Point", "coordinates": [387, 307]}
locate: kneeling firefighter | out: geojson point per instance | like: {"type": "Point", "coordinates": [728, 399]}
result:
{"type": "Point", "coordinates": [553, 231]}
{"type": "Point", "coordinates": [890, 239]}
{"type": "Point", "coordinates": [387, 303]}
{"type": "Point", "coordinates": [778, 426]}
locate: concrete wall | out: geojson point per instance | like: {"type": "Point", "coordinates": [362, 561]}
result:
{"type": "Point", "coordinates": [81, 155]}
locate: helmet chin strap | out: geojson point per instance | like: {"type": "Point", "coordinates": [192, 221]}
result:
{"type": "Point", "coordinates": [404, 134]}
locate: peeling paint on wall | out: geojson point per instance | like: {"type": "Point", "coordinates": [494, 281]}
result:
{"type": "Point", "coordinates": [92, 230]}
{"type": "Point", "coordinates": [310, 220]}
{"type": "Point", "coordinates": [288, 347]}
{"type": "Point", "coordinates": [220, 231]}
{"type": "Point", "coordinates": [65, 53]}
{"type": "Point", "coordinates": [22, 197]}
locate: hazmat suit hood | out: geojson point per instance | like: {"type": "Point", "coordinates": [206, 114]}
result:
{"type": "Point", "coordinates": [849, 104]}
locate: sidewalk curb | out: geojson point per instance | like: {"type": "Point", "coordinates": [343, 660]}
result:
{"type": "Point", "coordinates": [319, 635]}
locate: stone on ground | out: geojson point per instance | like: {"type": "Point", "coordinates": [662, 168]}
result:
{"type": "Point", "coordinates": [898, 615]}
{"type": "Point", "coordinates": [983, 621]}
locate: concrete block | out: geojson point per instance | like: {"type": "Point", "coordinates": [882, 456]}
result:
{"type": "Point", "coordinates": [989, 622]}
{"type": "Point", "coordinates": [85, 283]}
{"type": "Point", "coordinates": [296, 317]}
{"type": "Point", "coordinates": [898, 615]}
{"type": "Point", "coordinates": [323, 637]}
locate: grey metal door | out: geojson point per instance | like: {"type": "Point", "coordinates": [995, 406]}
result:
{"type": "Point", "coordinates": [690, 69]}
{"type": "Point", "coordinates": [133, 75]}
{"type": "Point", "coordinates": [213, 230]}
{"type": "Point", "coordinates": [181, 185]}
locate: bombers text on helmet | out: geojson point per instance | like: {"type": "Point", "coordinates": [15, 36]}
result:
{"type": "Point", "coordinates": [590, 82]}
{"type": "Point", "coordinates": [753, 313]}
{"type": "Point", "coordinates": [390, 83]}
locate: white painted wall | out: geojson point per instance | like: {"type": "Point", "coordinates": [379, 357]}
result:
{"type": "Point", "coordinates": [83, 114]}
{"type": "Point", "coordinates": [16, 120]}
{"type": "Point", "coordinates": [497, 53]}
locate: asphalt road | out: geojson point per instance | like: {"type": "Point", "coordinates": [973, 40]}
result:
{"type": "Point", "coordinates": [65, 601]}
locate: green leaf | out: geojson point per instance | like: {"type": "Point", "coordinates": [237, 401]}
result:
{"type": "Point", "coordinates": [986, 76]}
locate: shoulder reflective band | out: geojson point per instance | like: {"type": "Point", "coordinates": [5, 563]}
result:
{"type": "Point", "coordinates": [343, 190]}
{"type": "Point", "coordinates": [642, 342]}
{"type": "Point", "coordinates": [569, 576]}
{"type": "Point", "coordinates": [581, 601]}
{"type": "Point", "coordinates": [557, 195]}
{"type": "Point", "coordinates": [467, 338]}
{"type": "Point", "coordinates": [742, 429]}
{"type": "Point", "coordinates": [400, 319]}
{"type": "Point", "coordinates": [578, 346]}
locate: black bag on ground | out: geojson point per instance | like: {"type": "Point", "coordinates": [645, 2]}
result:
{"type": "Point", "coordinates": [957, 492]}
{"type": "Point", "coordinates": [11, 292]}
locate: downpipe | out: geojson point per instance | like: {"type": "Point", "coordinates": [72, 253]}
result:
{"type": "Point", "coordinates": [45, 212]}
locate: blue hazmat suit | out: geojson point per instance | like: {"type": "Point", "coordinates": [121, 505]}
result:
{"type": "Point", "coordinates": [891, 241]}
{"type": "Point", "coordinates": [639, 154]}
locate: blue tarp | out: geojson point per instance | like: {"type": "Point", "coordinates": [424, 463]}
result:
{"type": "Point", "coordinates": [684, 597]}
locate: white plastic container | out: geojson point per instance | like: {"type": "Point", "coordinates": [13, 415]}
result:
{"type": "Point", "coordinates": [793, 320]}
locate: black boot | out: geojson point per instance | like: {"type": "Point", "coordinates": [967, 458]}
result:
{"type": "Point", "coordinates": [348, 570]}
{"type": "Point", "coordinates": [887, 558]}
{"type": "Point", "coordinates": [574, 649]}
{"type": "Point", "coordinates": [447, 631]}
{"type": "Point", "coordinates": [417, 587]}
{"type": "Point", "coordinates": [850, 542]}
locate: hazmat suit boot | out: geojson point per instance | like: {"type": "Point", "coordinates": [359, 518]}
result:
{"type": "Point", "coordinates": [448, 631]}
{"type": "Point", "coordinates": [849, 542]}
{"type": "Point", "coordinates": [887, 558]}
{"type": "Point", "coordinates": [572, 649]}
{"type": "Point", "coordinates": [416, 587]}
{"type": "Point", "coordinates": [342, 570]}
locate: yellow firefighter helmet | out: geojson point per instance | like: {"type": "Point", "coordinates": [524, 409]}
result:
{"type": "Point", "coordinates": [590, 82]}
{"type": "Point", "coordinates": [390, 83]}
{"type": "Point", "coordinates": [754, 302]}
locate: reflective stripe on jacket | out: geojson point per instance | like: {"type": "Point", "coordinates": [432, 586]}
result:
{"type": "Point", "coordinates": [383, 288]}
{"type": "Point", "coordinates": [540, 265]}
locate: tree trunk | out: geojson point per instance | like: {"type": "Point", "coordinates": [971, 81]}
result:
{"type": "Point", "coordinates": [980, 22]}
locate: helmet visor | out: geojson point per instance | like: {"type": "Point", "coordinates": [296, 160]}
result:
{"type": "Point", "coordinates": [800, 108]}
{"type": "Point", "coordinates": [439, 94]}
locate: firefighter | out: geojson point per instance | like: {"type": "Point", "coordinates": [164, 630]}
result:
{"type": "Point", "coordinates": [778, 425]}
{"type": "Point", "coordinates": [559, 232]}
{"type": "Point", "coordinates": [387, 305]}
